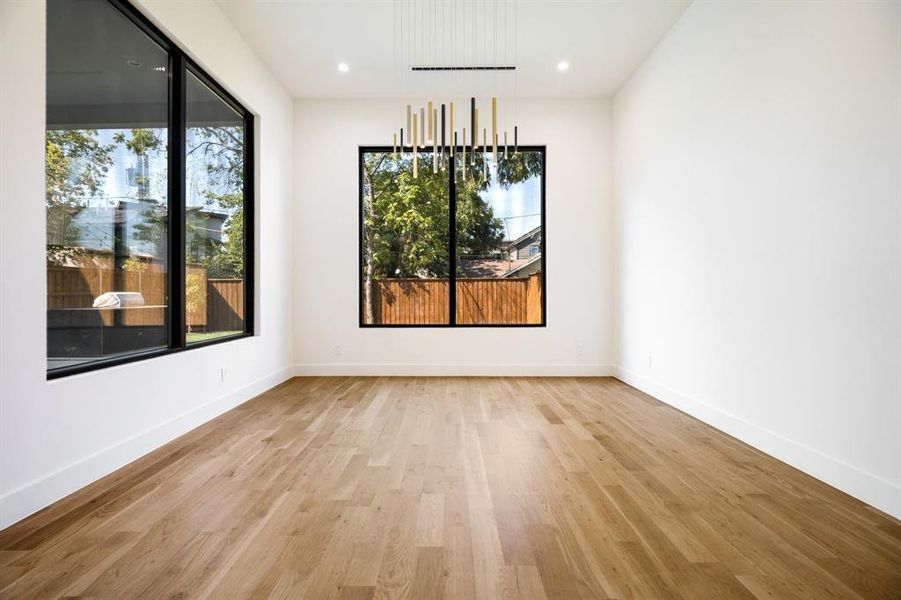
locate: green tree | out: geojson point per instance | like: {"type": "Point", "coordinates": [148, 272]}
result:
{"type": "Point", "coordinates": [195, 293]}
{"type": "Point", "coordinates": [76, 165]}
{"type": "Point", "coordinates": [140, 141]}
{"type": "Point", "coordinates": [406, 226]}
{"type": "Point", "coordinates": [227, 261]}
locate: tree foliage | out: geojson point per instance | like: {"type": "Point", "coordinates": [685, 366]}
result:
{"type": "Point", "coordinates": [76, 165]}
{"type": "Point", "coordinates": [406, 228]}
{"type": "Point", "coordinates": [227, 262]}
{"type": "Point", "coordinates": [519, 167]}
{"type": "Point", "coordinates": [140, 141]}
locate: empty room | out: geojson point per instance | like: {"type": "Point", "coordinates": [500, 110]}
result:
{"type": "Point", "coordinates": [489, 299]}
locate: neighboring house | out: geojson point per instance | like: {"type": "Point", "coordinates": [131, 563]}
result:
{"type": "Point", "coordinates": [205, 231]}
{"type": "Point", "coordinates": [525, 267]}
{"type": "Point", "coordinates": [525, 246]}
{"type": "Point", "coordinates": [517, 258]}
{"type": "Point", "coordinates": [96, 228]}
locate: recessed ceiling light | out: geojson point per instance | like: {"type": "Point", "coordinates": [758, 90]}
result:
{"type": "Point", "coordinates": [343, 67]}
{"type": "Point", "coordinates": [562, 66]}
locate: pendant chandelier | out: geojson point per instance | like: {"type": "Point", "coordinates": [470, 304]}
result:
{"type": "Point", "coordinates": [438, 43]}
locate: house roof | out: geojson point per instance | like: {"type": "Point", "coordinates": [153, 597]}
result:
{"type": "Point", "coordinates": [495, 268]}
{"type": "Point", "coordinates": [526, 236]}
{"type": "Point", "coordinates": [522, 265]}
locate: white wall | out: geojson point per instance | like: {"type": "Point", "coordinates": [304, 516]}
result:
{"type": "Point", "coordinates": [758, 218]}
{"type": "Point", "coordinates": [579, 250]}
{"type": "Point", "coordinates": [56, 437]}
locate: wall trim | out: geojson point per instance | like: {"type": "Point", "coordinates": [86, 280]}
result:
{"type": "Point", "coordinates": [869, 488]}
{"type": "Point", "coordinates": [27, 499]}
{"type": "Point", "coordinates": [453, 369]}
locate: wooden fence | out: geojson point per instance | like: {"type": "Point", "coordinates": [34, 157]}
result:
{"type": "Point", "coordinates": [225, 305]}
{"type": "Point", "coordinates": [479, 301]}
{"type": "Point", "coordinates": [221, 308]}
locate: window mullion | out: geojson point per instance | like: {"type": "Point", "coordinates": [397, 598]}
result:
{"type": "Point", "coordinates": [249, 224]}
{"type": "Point", "coordinates": [177, 132]}
{"type": "Point", "coordinates": [452, 242]}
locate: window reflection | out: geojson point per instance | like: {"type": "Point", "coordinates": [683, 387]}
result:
{"type": "Point", "coordinates": [214, 226]}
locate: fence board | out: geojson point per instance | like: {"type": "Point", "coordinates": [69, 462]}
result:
{"type": "Point", "coordinates": [479, 301]}
{"type": "Point", "coordinates": [534, 304]}
{"type": "Point", "coordinates": [225, 305]}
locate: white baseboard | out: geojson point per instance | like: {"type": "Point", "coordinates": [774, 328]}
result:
{"type": "Point", "coordinates": [453, 369]}
{"type": "Point", "coordinates": [875, 491]}
{"type": "Point", "coordinates": [32, 497]}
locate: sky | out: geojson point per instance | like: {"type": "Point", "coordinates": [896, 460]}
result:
{"type": "Point", "coordinates": [519, 205]}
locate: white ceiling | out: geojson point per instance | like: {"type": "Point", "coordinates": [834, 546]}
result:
{"type": "Point", "coordinates": [303, 41]}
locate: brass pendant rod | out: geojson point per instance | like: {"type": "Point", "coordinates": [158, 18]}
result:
{"type": "Point", "coordinates": [484, 154]}
{"type": "Point", "coordinates": [409, 110]}
{"type": "Point", "coordinates": [421, 126]}
{"type": "Point", "coordinates": [463, 162]}
{"type": "Point", "coordinates": [494, 127]}
{"type": "Point", "coordinates": [453, 149]}
{"type": "Point", "coordinates": [472, 122]}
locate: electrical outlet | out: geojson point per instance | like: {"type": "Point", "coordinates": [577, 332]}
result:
{"type": "Point", "coordinates": [222, 375]}
{"type": "Point", "coordinates": [580, 350]}
{"type": "Point", "coordinates": [339, 350]}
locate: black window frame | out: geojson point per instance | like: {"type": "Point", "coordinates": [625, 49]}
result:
{"type": "Point", "coordinates": [179, 65]}
{"type": "Point", "coordinates": [452, 241]}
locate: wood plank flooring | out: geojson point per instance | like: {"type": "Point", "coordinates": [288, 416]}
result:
{"type": "Point", "coordinates": [456, 488]}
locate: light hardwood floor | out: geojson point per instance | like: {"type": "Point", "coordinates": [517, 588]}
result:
{"type": "Point", "coordinates": [455, 488]}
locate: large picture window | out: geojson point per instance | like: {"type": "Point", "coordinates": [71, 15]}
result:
{"type": "Point", "coordinates": [148, 194]}
{"type": "Point", "coordinates": [443, 250]}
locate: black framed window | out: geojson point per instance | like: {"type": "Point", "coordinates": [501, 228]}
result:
{"type": "Point", "coordinates": [148, 194]}
{"type": "Point", "coordinates": [444, 250]}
